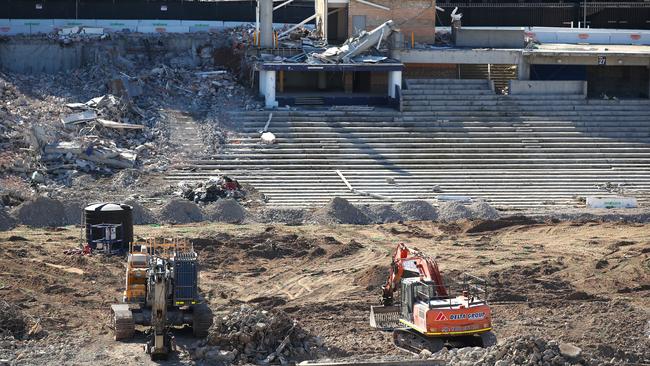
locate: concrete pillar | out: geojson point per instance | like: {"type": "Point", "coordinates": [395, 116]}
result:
{"type": "Point", "coordinates": [322, 80]}
{"type": "Point", "coordinates": [348, 82]}
{"type": "Point", "coordinates": [523, 69]}
{"type": "Point", "coordinates": [266, 23]}
{"type": "Point", "coordinates": [269, 89]}
{"type": "Point", "coordinates": [342, 24]}
{"type": "Point", "coordinates": [394, 79]}
{"type": "Point", "coordinates": [262, 82]}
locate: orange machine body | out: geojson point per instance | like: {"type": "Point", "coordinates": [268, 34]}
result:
{"type": "Point", "coordinates": [458, 318]}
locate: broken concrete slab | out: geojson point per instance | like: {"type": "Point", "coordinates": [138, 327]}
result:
{"type": "Point", "coordinates": [75, 118]}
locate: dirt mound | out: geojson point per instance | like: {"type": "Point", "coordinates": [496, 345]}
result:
{"type": "Point", "coordinates": [373, 277]}
{"type": "Point", "coordinates": [41, 212]}
{"type": "Point", "coordinates": [178, 211]}
{"type": "Point", "coordinates": [523, 350]}
{"type": "Point", "coordinates": [13, 322]}
{"type": "Point", "coordinates": [225, 210]}
{"type": "Point", "coordinates": [278, 247]}
{"type": "Point", "coordinates": [535, 283]}
{"type": "Point", "coordinates": [253, 335]}
{"type": "Point", "coordinates": [483, 211]}
{"type": "Point", "coordinates": [340, 211]}
{"type": "Point", "coordinates": [141, 214]}
{"type": "Point", "coordinates": [348, 249]}
{"type": "Point", "coordinates": [382, 214]}
{"type": "Point", "coordinates": [6, 221]}
{"type": "Point", "coordinates": [417, 210]}
{"type": "Point", "coordinates": [290, 216]}
{"type": "Point", "coordinates": [492, 225]}
{"type": "Point", "coordinates": [73, 212]}
{"type": "Point", "coordinates": [453, 211]}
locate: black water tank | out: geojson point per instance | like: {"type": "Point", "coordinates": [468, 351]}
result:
{"type": "Point", "coordinates": [110, 213]}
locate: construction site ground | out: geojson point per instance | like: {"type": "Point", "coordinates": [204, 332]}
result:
{"type": "Point", "coordinates": [586, 283]}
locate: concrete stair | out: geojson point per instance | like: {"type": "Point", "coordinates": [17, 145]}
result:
{"type": "Point", "coordinates": [454, 137]}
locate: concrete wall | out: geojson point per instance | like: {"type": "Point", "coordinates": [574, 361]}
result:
{"type": "Point", "coordinates": [544, 87]}
{"type": "Point", "coordinates": [457, 56]}
{"type": "Point", "coordinates": [411, 16]}
{"type": "Point", "coordinates": [490, 37]}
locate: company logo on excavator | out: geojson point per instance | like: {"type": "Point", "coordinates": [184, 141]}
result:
{"type": "Point", "coordinates": [471, 316]}
{"type": "Point", "coordinates": [441, 317]}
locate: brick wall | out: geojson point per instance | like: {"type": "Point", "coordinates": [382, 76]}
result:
{"type": "Point", "coordinates": [411, 16]}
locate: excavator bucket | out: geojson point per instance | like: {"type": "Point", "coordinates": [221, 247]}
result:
{"type": "Point", "coordinates": [384, 317]}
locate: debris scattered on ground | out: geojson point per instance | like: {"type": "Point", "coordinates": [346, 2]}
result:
{"type": "Point", "coordinates": [452, 211]}
{"type": "Point", "coordinates": [289, 216]}
{"type": "Point", "coordinates": [178, 211]}
{"type": "Point", "coordinates": [523, 350]}
{"type": "Point", "coordinates": [417, 210]}
{"type": "Point", "coordinates": [13, 322]}
{"type": "Point", "coordinates": [483, 211]}
{"type": "Point", "coordinates": [225, 210]}
{"type": "Point", "coordinates": [41, 212]}
{"type": "Point", "coordinates": [253, 335]}
{"type": "Point", "coordinates": [213, 189]}
{"type": "Point", "coordinates": [340, 211]}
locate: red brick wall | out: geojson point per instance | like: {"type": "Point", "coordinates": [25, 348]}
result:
{"type": "Point", "coordinates": [410, 16]}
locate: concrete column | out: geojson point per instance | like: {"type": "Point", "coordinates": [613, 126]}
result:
{"type": "Point", "coordinates": [394, 79]}
{"type": "Point", "coordinates": [266, 23]}
{"type": "Point", "coordinates": [322, 80]}
{"type": "Point", "coordinates": [269, 89]}
{"type": "Point", "coordinates": [523, 69]}
{"type": "Point", "coordinates": [348, 82]}
{"type": "Point", "coordinates": [342, 24]}
{"type": "Point", "coordinates": [262, 82]}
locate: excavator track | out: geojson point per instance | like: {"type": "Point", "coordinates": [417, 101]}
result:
{"type": "Point", "coordinates": [123, 323]}
{"type": "Point", "coordinates": [201, 320]}
{"type": "Point", "coordinates": [414, 342]}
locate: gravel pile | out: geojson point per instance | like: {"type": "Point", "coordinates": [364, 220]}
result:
{"type": "Point", "coordinates": [290, 216]}
{"type": "Point", "coordinates": [225, 210]}
{"type": "Point", "coordinates": [6, 221]}
{"type": "Point", "coordinates": [41, 212]}
{"type": "Point", "coordinates": [179, 211]}
{"type": "Point", "coordinates": [417, 210]}
{"type": "Point", "coordinates": [482, 210]}
{"type": "Point", "coordinates": [453, 211]}
{"type": "Point", "coordinates": [340, 211]}
{"type": "Point", "coordinates": [252, 335]}
{"type": "Point", "coordinates": [382, 214]}
{"type": "Point", "coordinates": [13, 322]}
{"type": "Point", "coordinates": [73, 212]}
{"type": "Point", "coordinates": [141, 214]}
{"type": "Point", "coordinates": [524, 350]}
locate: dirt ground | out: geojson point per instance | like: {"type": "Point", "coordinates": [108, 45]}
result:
{"type": "Point", "coordinates": [584, 283]}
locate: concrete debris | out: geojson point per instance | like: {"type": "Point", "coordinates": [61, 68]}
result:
{"type": "Point", "coordinates": [41, 212]}
{"type": "Point", "coordinates": [522, 350]}
{"type": "Point", "coordinates": [76, 34]}
{"type": "Point", "coordinates": [178, 211]}
{"type": "Point", "coordinates": [141, 214]}
{"type": "Point", "coordinates": [211, 190]}
{"type": "Point", "coordinates": [340, 211]}
{"type": "Point", "coordinates": [252, 335]}
{"type": "Point", "coordinates": [225, 210]}
{"type": "Point", "coordinates": [482, 210]}
{"type": "Point", "coordinates": [73, 212]}
{"type": "Point", "coordinates": [268, 138]}
{"type": "Point", "coordinates": [417, 210]}
{"type": "Point", "coordinates": [6, 221]}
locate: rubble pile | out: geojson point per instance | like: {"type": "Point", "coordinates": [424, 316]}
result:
{"type": "Point", "coordinates": [73, 212]}
{"type": "Point", "coordinates": [482, 210]}
{"type": "Point", "coordinates": [178, 211]}
{"type": "Point", "coordinates": [290, 216]}
{"type": "Point", "coordinates": [417, 210]}
{"type": "Point", "coordinates": [340, 211]}
{"type": "Point", "coordinates": [382, 214]}
{"type": "Point", "coordinates": [523, 350]}
{"type": "Point", "coordinates": [213, 189]}
{"type": "Point", "coordinates": [41, 212]}
{"type": "Point", "coordinates": [13, 322]}
{"type": "Point", "coordinates": [253, 335]}
{"type": "Point", "coordinates": [141, 214]}
{"type": "Point", "coordinates": [225, 210]}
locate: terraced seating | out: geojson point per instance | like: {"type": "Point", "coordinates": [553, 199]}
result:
{"type": "Point", "coordinates": [454, 137]}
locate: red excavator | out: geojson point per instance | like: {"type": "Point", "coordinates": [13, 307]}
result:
{"type": "Point", "coordinates": [428, 315]}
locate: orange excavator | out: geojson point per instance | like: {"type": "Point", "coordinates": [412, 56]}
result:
{"type": "Point", "coordinates": [429, 313]}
